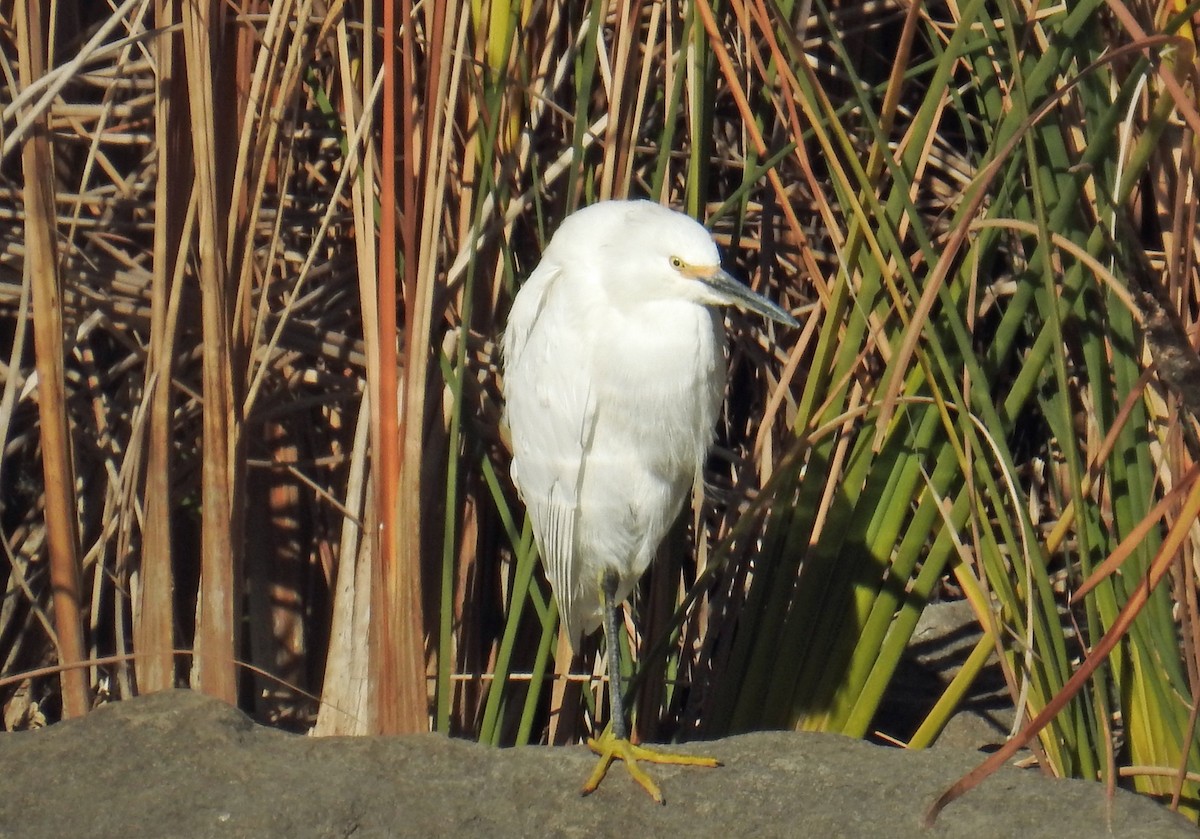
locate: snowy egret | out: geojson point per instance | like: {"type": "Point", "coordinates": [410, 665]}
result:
{"type": "Point", "coordinates": [614, 372]}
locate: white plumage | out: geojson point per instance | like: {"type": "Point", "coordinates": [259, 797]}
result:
{"type": "Point", "coordinates": [614, 373]}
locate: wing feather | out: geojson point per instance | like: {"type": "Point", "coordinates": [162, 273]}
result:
{"type": "Point", "coordinates": [551, 413]}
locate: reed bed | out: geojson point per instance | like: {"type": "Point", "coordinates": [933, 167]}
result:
{"type": "Point", "coordinates": [255, 260]}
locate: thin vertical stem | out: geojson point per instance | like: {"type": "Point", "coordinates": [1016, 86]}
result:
{"type": "Point", "coordinates": [213, 665]}
{"type": "Point", "coordinates": [387, 465]}
{"type": "Point", "coordinates": [412, 713]}
{"type": "Point", "coordinates": [155, 617]}
{"type": "Point", "coordinates": [62, 541]}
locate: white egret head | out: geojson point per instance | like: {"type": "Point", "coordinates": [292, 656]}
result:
{"type": "Point", "coordinates": [640, 251]}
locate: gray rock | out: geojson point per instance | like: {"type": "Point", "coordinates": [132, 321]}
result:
{"type": "Point", "coordinates": [178, 764]}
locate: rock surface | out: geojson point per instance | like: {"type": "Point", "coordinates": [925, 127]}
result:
{"type": "Point", "coordinates": [179, 764]}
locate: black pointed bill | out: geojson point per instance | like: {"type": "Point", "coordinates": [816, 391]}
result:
{"type": "Point", "coordinates": [740, 295]}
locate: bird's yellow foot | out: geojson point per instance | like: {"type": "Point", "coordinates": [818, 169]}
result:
{"type": "Point", "coordinates": [611, 748]}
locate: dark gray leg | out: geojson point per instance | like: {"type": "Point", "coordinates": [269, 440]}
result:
{"type": "Point", "coordinates": [612, 639]}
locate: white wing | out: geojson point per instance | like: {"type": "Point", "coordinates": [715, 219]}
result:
{"type": "Point", "coordinates": [550, 414]}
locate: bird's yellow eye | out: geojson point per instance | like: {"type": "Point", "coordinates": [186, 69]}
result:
{"type": "Point", "coordinates": [676, 262]}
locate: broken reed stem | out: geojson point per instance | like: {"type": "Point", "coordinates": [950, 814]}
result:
{"type": "Point", "coordinates": [42, 263]}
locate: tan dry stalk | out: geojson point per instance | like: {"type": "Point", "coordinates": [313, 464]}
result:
{"type": "Point", "coordinates": [155, 618]}
{"type": "Point", "coordinates": [62, 540]}
{"type": "Point", "coordinates": [344, 694]}
{"type": "Point", "coordinates": [213, 665]}
{"type": "Point", "coordinates": [344, 697]}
